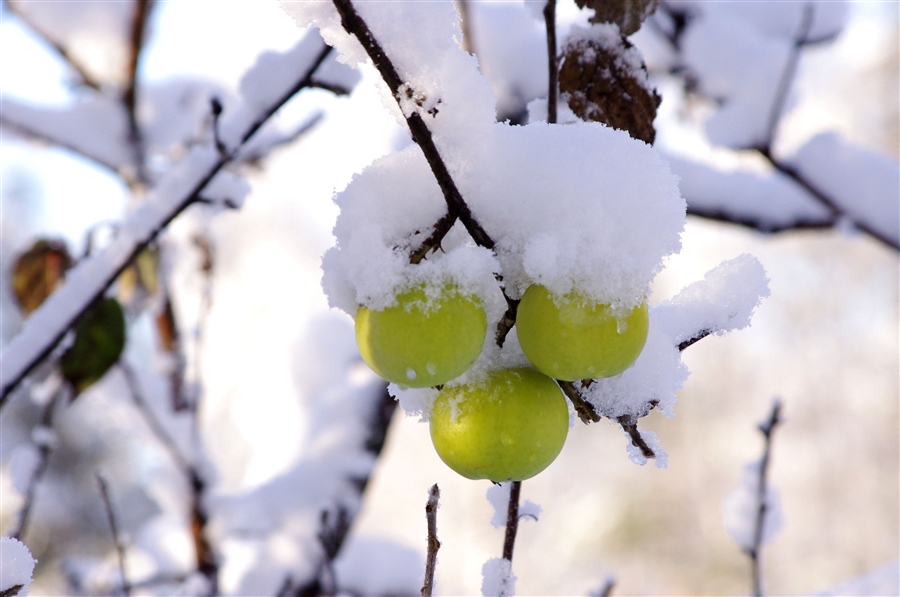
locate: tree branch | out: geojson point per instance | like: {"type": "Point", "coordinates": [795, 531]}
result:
{"type": "Point", "coordinates": [86, 78]}
{"type": "Point", "coordinates": [88, 281]}
{"type": "Point", "coordinates": [434, 495]}
{"type": "Point", "coordinates": [629, 424]}
{"type": "Point", "coordinates": [114, 529]}
{"type": "Point", "coordinates": [767, 428]}
{"type": "Point", "coordinates": [129, 95]}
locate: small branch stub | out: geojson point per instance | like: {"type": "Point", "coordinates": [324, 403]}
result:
{"type": "Point", "coordinates": [431, 506]}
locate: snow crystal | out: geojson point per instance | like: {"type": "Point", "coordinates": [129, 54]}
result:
{"type": "Point", "coordinates": [863, 182]}
{"type": "Point", "coordinates": [497, 578]}
{"type": "Point", "coordinates": [741, 508]}
{"type": "Point", "coordinates": [723, 301]}
{"type": "Point", "coordinates": [636, 456]}
{"type": "Point", "coordinates": [16, 565]}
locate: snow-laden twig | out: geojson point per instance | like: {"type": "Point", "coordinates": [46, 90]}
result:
{"type": "Point", "coordinates": [45, 449]}
{"type": "Point", "coordinates": [431, 506]}
{"type": "Point", "coordinates": [142, 10]}
{"type": "Point", "coordinates": [114, 530]}
{"type": "Point", "coordinates": [457, 208]}
{"type": "Point", "coordinates": [767, 428]}
{"type": "Point", "coordinates": [89, 280]}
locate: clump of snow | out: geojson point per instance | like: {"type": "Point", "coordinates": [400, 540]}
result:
{"type": "Point", "coordinates": [636, 456]}
{"type": "Point", "coordinates": [869, 196]}
{"type": "Point", "coordinates": [497, 578]}
{"type": "Point", "coordinates": [23, 463]}
{"type": "Point", "coordinates": [227, 189]}
{"type": "Point", "coordinates": [875, 583]}
{"type": "Point", "coordinates": [16, 566]}
{"type": "Point", "coordinates": [742, 507]}
{"type": "Point", "coordinates": [723, 301]}
{"type": "Point", "coordinates": [498, 496]}
{"type": "Point", "coordinates": [414, 401]}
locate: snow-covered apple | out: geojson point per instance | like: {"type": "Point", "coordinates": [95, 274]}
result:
{"type": "Point", "coordinates": [571, 337]}
{"type": "Point", "coordinates": [428, 337]}
{"type": "Point", "coordinates": [508, 426]}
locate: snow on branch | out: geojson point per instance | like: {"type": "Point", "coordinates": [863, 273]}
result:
{"type": "Point", "coordinates": [176, 192]}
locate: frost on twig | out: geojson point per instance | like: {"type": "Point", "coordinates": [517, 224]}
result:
{"type": "Point", "coordinates": [752, 512]}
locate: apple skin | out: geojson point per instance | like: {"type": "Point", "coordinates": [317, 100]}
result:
{"type": "Point", "coordinates": [507, 427]}
{"type": "Point", "coordinates": [572, 338]}
{"type": "Point", "coordinates": [417, 346]}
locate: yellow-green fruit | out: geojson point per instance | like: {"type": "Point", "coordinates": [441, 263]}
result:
{"type": "Point", "coordinates": [422, 341]}
{"type": "Point", "coordinates": [507, 427]}
{"type": "Point", "coordinates": [573, 338]}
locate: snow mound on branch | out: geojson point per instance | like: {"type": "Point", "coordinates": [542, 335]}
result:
{"type": "Point", "coordinates": [497, 578]}
{"type": "Point", "coordinates": [16, 566]}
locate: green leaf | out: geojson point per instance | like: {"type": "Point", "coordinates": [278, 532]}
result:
{"type": "Point", "coordinates": [99, 341]}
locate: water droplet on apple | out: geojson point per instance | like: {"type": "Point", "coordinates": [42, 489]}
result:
{"type": "Point", "coordinates": [504, 437]}
{"type": "Point", "coordinates": [621, 325]}
{"type": "Point", "coordinates": [410, 373]}
{"type": "Point", "coordinates": [431, 368]}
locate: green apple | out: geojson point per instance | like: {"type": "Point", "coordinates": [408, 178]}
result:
{"type": "Point", "coordinates": [570, 337]}
{"type": "Point", "coordinates": [423, 340]}
{"type": "Point", "coordinates": [507, 427]}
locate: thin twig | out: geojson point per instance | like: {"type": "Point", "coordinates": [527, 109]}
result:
{"type": "Point", "coordinates": [156, 427]}
{"type": "Point", "coordinates": [114, 529]}
{"type": "Point", "coordinates": [86, 78]}
{"type": "Point", "coordinates": [767, 428]}
{"type": "Point", "coordinates": [552, 62]}
{"type": "Point", "coordinates": [584, 409]}
{"type": "Point", "coordinates": [607, 588]}
{"type": "Point", "coordinates": [431, 506]}
{"type": "Point", "coordinates": [45, 449]}
{"type": "Point", "coordinates": [421, 134]}
{"type": "Point", "coordinates": [29, 350]}
{"type": "Point", "coordinates": [129, 95]}
{"type": "Point", "coordinates": [629, 424]}
{"type": "Point", "coordinates": [787, 75]}
{"type": "Point", "coordinates": [694, 339]}
{"type": "Point", "coordinates": [512, 520]}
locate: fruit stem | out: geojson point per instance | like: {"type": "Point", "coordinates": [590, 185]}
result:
{"type": "Point", "coordinates": [512, 520]}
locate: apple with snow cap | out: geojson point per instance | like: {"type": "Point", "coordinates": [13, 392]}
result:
{"type": "Point", "coordinates": [431, 335]}
{"type": "Point", "coordinates": [571, 336]}
{"type": "Point", "coordinates": [507, 426]}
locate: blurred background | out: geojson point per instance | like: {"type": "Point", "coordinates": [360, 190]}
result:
{"type": "Point", "coordinates": [825, 342]}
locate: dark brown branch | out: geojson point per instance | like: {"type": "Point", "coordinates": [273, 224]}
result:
{"type": "Point", "coordinates": [629, 424]}
{"type": "Point", "coordinates": [129, 94]}
{"type": "Point", "coordinates": [767, 428]}
{"type": "Point", "coordinates": [584, 409]}
{"type": "Point", "coordinates": [760, 224]}
{"type": "Point", "coordinates": [694, 339]}
{"type": "Point", "coordinates": [433, 242]}
{"type": "Point", "coordinates": [512, 520]}
{"type": "Point", "coordinates": [114, 529]}
{"type": "Point", "coordinates": [421, 134]}
{"type": "Point", "coordinates": [431, 506]}
{"type": "Point", "coordinates": [508, 320]}
{"type": "Point", "coordinates": [552, 62]}
{"type": "Point", "coordinates": [12, 591]}
{"type": "Point", "coordinates": [50, 340]}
